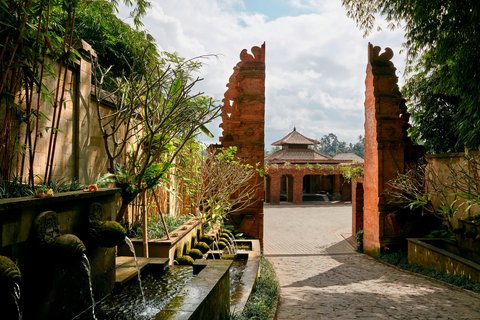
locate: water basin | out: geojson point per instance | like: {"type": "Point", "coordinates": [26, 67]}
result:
{"type": "Point", "coordinates": [127, 304]}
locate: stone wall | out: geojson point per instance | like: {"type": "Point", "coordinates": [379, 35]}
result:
{"type": "Point", "coordinates": [243, 122]}
{"type": "Point", "coordinates": [79, 149]}
{"type": "Point", "coordinates": [54, 285]}
{"type": "Point", "coordinates": [450, 169]}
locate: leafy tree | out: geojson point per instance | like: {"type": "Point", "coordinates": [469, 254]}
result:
{"type": "Point", "coordinates": [272, 151]}
{"type": "Point", "coordinates": [330, 145]}
{"type": "Point", "coordinates": [153, 116]}
{"type": "Point", "coordinates": [359, 146]}
{"type": "Point", "coordinates": [117, 44]}
{"type": "Point", "coordinates": [442, 52]}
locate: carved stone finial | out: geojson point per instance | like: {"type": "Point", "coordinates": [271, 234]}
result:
{"type": "Point", "coordinates": [374, 54]}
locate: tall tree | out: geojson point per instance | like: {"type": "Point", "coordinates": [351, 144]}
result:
{"type": "Point", "coordinates": [330, 145]}
{"type": "Point", "coordinates": [359, 146]}
{"type": "Point", "coordinates": [442, 52]}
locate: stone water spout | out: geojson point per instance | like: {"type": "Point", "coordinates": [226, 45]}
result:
{"type": "Point", "coordinates": [10, 277]}
{"type": "Point", "coordinates": [104, 233]}
{"type": "Point", "coordinates": [61, 248]}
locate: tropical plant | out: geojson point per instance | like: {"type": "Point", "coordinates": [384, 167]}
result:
{"type": "Point", "coordinates": [421, 188]}
{"type": "Point", "coordinates": [152, 117]}
{"type": "Point", "coordinates": [116, 43]}
{"type": "Point", "coordinates": [156, 229]}
{"type": "Point", "coordinates": [448, 196]}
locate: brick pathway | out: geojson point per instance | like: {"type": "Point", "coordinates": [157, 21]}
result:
{"type": "Point", "coordinates": [321, 277]}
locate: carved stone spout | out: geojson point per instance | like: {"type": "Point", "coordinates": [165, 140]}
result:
{"type": "Point", "coordinates": [104, 233]}
{"type": "Point", "coordinates": [9, 272]}
{"type": "Point", "coordinates": [66, 247]}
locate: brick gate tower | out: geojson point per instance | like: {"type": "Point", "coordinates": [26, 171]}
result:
{"type": "Point", "coordinates": [388, 150]}
{"type": "Point", "coordinates": [243, 124]}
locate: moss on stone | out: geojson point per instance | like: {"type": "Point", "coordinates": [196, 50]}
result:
{"type": "Point", "coordinates": [68, 247]}
{"type": "Point", "coordinates": [195, 254]}
{"type": "Point", "coordinates": [224, 240]}
{"type": "Point", "coordinates": [225, 235]}
{"type": "Point", "coordinates": [207, 239]}
{"type": "Point", "coordinates": [202, 246]}
{"type": "Point", "coordinates": [185, 260]}
{"type": "Point", "coordinates": [9, 270]}
{"type": "Point", "coordinates": [107, 234]}
{"type": "Point", "coordinates": [221, 245]}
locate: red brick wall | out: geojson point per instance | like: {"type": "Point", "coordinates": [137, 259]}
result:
{"type": "Point", "coordinates": [243, 123]}
{"type": "Point", "coordinates": [387, 149]}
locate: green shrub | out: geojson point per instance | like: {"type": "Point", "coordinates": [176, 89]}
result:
{"type": "Point", "coordinates": [262, 303]}
{"type": "Point", "coordinates": [185, 260]}
{"type": "Point", "coordinates": [195, 254]}
{"type": "Point", "coordinates": [202, 246]}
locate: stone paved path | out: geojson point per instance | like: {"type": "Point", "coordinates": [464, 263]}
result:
{"type": "Point", "coordinates": [321, 277]}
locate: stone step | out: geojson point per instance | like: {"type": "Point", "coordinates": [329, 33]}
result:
{"type": "Point", "coordinates": [125, 268]}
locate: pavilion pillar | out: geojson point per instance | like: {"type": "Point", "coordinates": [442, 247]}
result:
{"type": "Point", "coordinates": [289, 187]}
{"type": "Point", "coordinates": [274, 189]}
{"type": "Point", "coordinates": [297, 188]}
{"type": "Point", "coordinates": [337, 185]}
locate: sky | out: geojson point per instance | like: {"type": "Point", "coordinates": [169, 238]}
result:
{"type": "Point", "coordinates": [315, 58]}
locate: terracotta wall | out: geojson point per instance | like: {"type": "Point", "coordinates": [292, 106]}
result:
{"type": "Point", "coordinates": [243, 122]}
{"type": "Point", "coordinates": [388, 150]}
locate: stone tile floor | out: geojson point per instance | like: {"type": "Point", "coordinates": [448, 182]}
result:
{"type": "Point", "coordinates": [322, 277]}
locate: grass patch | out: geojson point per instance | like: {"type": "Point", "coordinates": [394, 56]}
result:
{"type": "Point", "coordinates": [262, 303]}
{"type": "Point", "coordinates": [400, 259]}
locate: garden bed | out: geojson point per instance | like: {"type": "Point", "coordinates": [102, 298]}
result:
{"type": "Point", "coordinates": [180, 242]}
{"type": "Point", "coordinates": [443, 256]}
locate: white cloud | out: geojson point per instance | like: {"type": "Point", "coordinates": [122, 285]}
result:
{"type": "Point", "coordinates": [315, 61]}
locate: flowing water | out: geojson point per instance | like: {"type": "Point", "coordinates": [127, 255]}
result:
{"type": "Point", "coordinates": [16, 298]}
{"type": "Point", "coordinates": [86, 265]}
{"type": "Point", "coordinates": [132, 249]}
{"type": "Point", "coordinates": [159, 290]}
{"type": "Point", "coordinates": [231, 244]}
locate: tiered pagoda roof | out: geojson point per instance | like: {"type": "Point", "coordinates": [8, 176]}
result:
{"type": "Point", "coordinates": [295, 150]}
